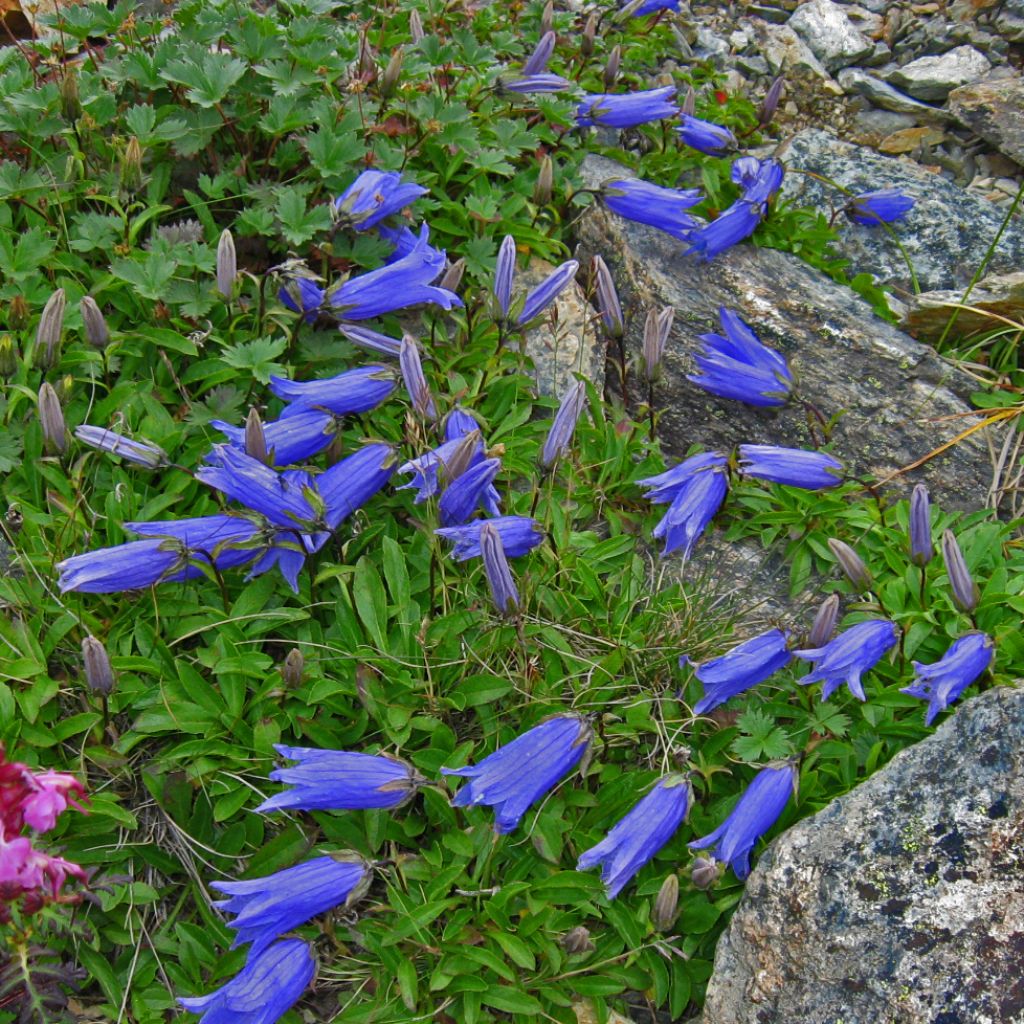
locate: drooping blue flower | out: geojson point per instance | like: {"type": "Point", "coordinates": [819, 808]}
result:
{"type": "Point", "coordinates": [225, 541]}
{"type": "Point", "coordinates": [469, 491]}
{"type": "Point", "coordinates": [504, 272]}
{"type": "Point", "coordinates": [499, 576]}
{"type": "Point", "coordinates": [921, 547]}
{"type": "Point", "coordinates": [516, 775]}
{"type": "Point", "coordinates": [353, 391]}
{"type": "Point", "coordinates": [692, 510]}
{"type": "Point", "coordinates": [290, 440]}
{"type": "Point", "coordinates": [627, 109]}
{"type": "Point", "coordinates": [373, 340]}
{"type": "Point", "coordinates": [539, 298]}
{"type": "Point", "coordinates": [426, 468]}
{"type": "Point", "coordinates": [519, 535]}
{"type": "Point", "coordinates": [757, 810]}
{"type": "Point", "coordinates": [524, 84]}
{"type": "Point", "coordinates": [263, 991]}
{"type": "Point", "coordinates": [730, 227]}
{"type": "Point", "coordinates": [794, 467]}
{"type": "Point", "coordinates": [537, 62]}
{"type": "Point", "coordinates": [665, 487]}
{"type": "Point", "coordinates": [352, 481]}
{"type": "Point", "coordinates": [966, 593]}
{"type": "Point", "coordinates": [639, 835]}
{"type": "Point", "coordinates": [563, 426]}
{"type": "Point", "coordinates": [884, 205]}
{"type": "Point", "coordinates": [302, 295]}
{"type": "Point", "coordinates": [846, 658]}
{"type": "Point", "coordinates": [406, 282]}
{"type": "Point", "coordinates": [706, 136]}
{"type": "Point", "coordinates": [945, 680]}
{"type": "Point", "coordinates": [736, 671]}
{"type": "Point", "coordinates": [758, 179]}
{"type": "Point", "coordinates": [373, 196]}
{"type": "Point", "coordinates": [406, 241]}
{"type": "Point", "coordinates": [661, 208]}
{"type": "Point", "coordinates": [653, 6]}
{"type": "Point", "coordinates": [266, 908]}
{"type": "Point", "coordinates": [415, 382]}
{"type": "Point", "coordinates": [740, 366]}
{"type": "Point", "coordinates": [139, 452]}
{"type": "Point", "coordinates": [340, 780]}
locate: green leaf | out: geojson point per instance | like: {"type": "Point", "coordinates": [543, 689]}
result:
{"type": "Point", "coordinates": [298, 224]}
{"type": "Point", "coordinates": [513, 1000]}
{"type": "Point", "coordinates": [208, 77]}
{"type": "Point", "coordinates": [257, 357]}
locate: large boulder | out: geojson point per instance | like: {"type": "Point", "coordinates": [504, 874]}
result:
{"type": "Point", "coordinates": [946, 235]}
{"type": "Point", "coordinates": [900, 903]}
{"type": "Point", "coordinates": [899, 401]}
{"type": "Point", "coordinates": [994, 109]}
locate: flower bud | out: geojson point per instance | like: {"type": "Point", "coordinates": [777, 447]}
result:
{"type": "Point", "coordinates": [96, 331]}
{"type": "Point", "coordinates": [704, 873]}
{"type": "Point", "coordinates": [771, 102]}
{"type": "Point", "coordinates": [99, 676]}
{"type": "Point", "coordinates": [292, 669]}
{"type": "Point", "coordinates": [657, 327]}
{"type": "Point", "coordinates": [8, 356]}
{"type": "Point", "coordinates": [459, 460]}
{"type": "Point", "coordinates": [415, 381]}
{"type": "Point", "coordinates": [921, 549]}
{"type": "Point", "coordinates": [14, 520]}
{"type": "Point", "coordinates": [18, 314]}
{"type": "Point", "coordinates": [563, 426]}
{"type": "Point", "coordinates": [130, 174]}
{"type": "Point", "coordinates": [689, 102]}
{"type": "Point", "coordinates": [392, 72]}
{"type": "Point", "coordinates": [824, 624]}
{"type": "Point", "coordinates": [51, 419]}
{"type": "Point", "coordinates": [499, 576]}
{"type": "Point", "coordinates": [589, 35]}
{"type": "Point", "coordinates": [70, 103]}
{"type": "Point", "coordinates": [547, 19]}
{"type": "Point", "coordinates": [51, 326]}
{"type": "Point", "coordinates": [663, 915]}
{"type": "Point", "coordinates": [607, 298]}
{"type": "Point", "coordinates": [227, 264]}
{"type": "Point", "coordinates": [965, 591]}
{"type": "Point", "coordinates": [452, 277]}
{"type": "Point", "coordinates": [850, 562]}
{"type": "Point", "coordinates": [367, 65]}
{"type": "Point", "coordinates": [577, 941]}
{"type": "Point", "coordinates": [611, 69]}
{"type": "Point", "coordinates": [255, 438]}
{"type": "Point", "coordinates": [543, 187]}
{"type": "Point", "coordinates": [416, 26]}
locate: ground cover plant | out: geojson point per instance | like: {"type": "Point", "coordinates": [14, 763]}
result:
{"type": "Point", "coordinates": [246, 548]}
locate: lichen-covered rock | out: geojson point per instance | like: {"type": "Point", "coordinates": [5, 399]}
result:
{"type": "Point", "coordinates": [898, 400]}
{"type": "Point", "coordinates": [993, 109]}
{"type": "Point", "coordinates": [946, 235]}
{"type": "Point", "coordinates": [994, 296]}
{"type": "Point", "coordinates": [900, 903]}
{"type": "Point", "coordinates": [933, 78]}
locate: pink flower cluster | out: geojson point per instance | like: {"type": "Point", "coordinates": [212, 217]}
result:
{"type": "Point", "coordinates": [35, 800]}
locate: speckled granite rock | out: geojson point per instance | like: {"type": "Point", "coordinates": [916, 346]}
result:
{"type": "Point", "coordinates": [998, 295]}
{"type": "Point", "coordinates": [946, 234]}
{"type": "Point", "coordinates": [933, 78]}
{"type": "Point", "coordinates": [830, 34]}
{"type": "Point", "coordinates": [901, 400]}
{"type": "Point", "coordinates": [900, 903]}
{"type": "Point", "coordinates": [993, 109]}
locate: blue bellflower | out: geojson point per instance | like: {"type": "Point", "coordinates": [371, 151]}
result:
{"type": "Point", "coordinates": [519, 535]}
{"type": "Point", "coordinates": [537, 62]}
{"type": "Point", "coordinates": [353, 391]}
{"type": "Point", "coordinates": [882, 206]}
{"type": "Point", "coordinates": [921, 547]}
{"type": "Point", "coordinates": [739, 366]}
{"type": "Point", "coordinates": [794, 467]}
{"type": "Point", "coordinates": [372, 340]}
{"type": "Point", "coordinates": [661, 208]}
{"type": "Point", "coordinates": [266, 908]}
{"type": "Point", "coordinates": [736, 671]}
{"type": "Point", "coordinates": [499, 576]}
{"type": "Point", "coordinates": [846, 658]}
{"type": "Point", "coordinates": [665, 487]}
{"type": "Point", "coordinates": [539, 298]}
{"type": "Point", "coordinates": [468, 492]}
{"type": "Point", "coordinates": [635, 840]}
{"type": "Point", "coordinates": [415, 382]}
{"type": "Point", "coordinates": [263, 991]}
{"type": "Point", "coordinates": [758, 180]}
{"type": "Point", "coordinates": [140, 453]}
{"type": "Point", "coordinates": [563, 426]}
{"type": "Point", "coordinates": [518, 774]}
{"type": "Point", "coordinates": [706, 136]}
{"type": "Point", "coordinates": [653, 6]}
{"type": "Point", "coordinates": [373, 196]}
{"type": "Point", "coordinates": [545, 82]}
{"type": "Point", "coordinates": [294, 439]}
{"type": "Point", "coordinates": [504, 272]}
{"type": "Point", "coordinates": [945, 680]}
{"type": "Point", "coordinates": [427, 468]}
{"type": "Point", "coordinates": [340, 780]}
{"type": "Point", "coordinates": [352, 481]}
{"type": "Point", "coordinates": [302, 295]}
{"type": "Point", "coordinates": [628, 109]}
{"type": "Point", "coordinates": [757, 810]}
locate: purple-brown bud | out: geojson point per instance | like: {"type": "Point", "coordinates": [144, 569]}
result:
{"type": "Point", "coordinates": [689, 102]}
{"type": "Point", "coordinates": [99, 676]}
{"type": "Point", "coordinates": [51, 419]}
{"type": "Point", "coordinates": [704, 873]}
{"type": "Point", "coordinates": [544, 186]}
{"type": "Point", "coordinates": [547, 19]}
{"type": "Point", "coordinates": [657, 328]}
{"type": "Point", "coordinates": [663, 915]}
{"type": "Point", "coordinates": [851, 564]}
{"type": "Point", "coordinates": [256, 438]}
{"type": "Point", "coordinates": [227, 264]}
{"type": "Point", "coordinates": [452, 277]}
{"type": "Point", "coordinates": [771, 102]}
{"type": "Point", "coordinates": [611, 68]}
{"type": "Point", "coordinates": [392, 72]}
{"type": "Point", "coordinates": [577, 941]}
{"type": "Point", "coordinates": [824, 624]}
{"type": "Point", "coordinates": [416, 32]}
{"type": "Point", "coordinates": [965, 591]}
{"type": "Point", "coordinates": [48, 333]}
{"type": "Point", "coordinates": [96, 331]}
{"type": "Point", "coordinates": [607, 298]}
{"type": "Point", "coordinates": [293, 667]}
{"type": "Point", "coordinates": [589, 35]}
{"type": "Point", "coordinates": [921, 548]}
{"type": "Point", "coordinates": [415, 381]}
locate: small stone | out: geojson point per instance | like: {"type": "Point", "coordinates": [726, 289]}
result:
{"type": "Point", "coordinates": [786, 52]}
{"type": "Point", "coordinates": [927, 314]}
{"type": "Point", "coordinates": [870, 127]}
{"type": "Point", "coordinates": [993, 109]}
{"type": "Point", "coordinates": [777, 15]}
{"type": "Point", "coordinates": [830, 34]}
{"type": "Point", "coordinates": [756, 67]}
{"type": "Point", "coordinates": [881, 94]}
{"type": "Point", "coordinates": [909, 139]}
{"type": "Point", "coordinates": [933, 78]}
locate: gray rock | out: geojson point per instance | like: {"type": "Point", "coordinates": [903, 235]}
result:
{"type": "Point", "coordinates": [997, 295]}
{"type": "Point", "coordinates": [870, 127]}
{"type": "Point", "coordinates": [565, 344]}
{"type": "Point", "coordinates": [830, 34]}
{"type": "Point", "coordinates": [756, 67]}
{"type": "Point", "coordinates": [883, 95]}
{"type": "Point", "coordinates": [946, 234]}
{"type": "Point", "coordinates": [777, 15]}
{"type": "Point", "coordinates": [787, 53]}
{"type": "Point", "coordinates": [845, 357]}
{"type": "Point", "coordinates": [901, 902]}
{"type": "Point", "coordinates": [933, 78]}
{"type": "Point", "coordinates": [711, 46]}
{"type": "Point", "coordinates": [994, 109]}
{"type": "Point", "coordinates": [1009, 22]}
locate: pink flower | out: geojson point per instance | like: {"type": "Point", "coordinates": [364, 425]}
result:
{"type": "Point", "coordinates": [14, 858]}
{"type": "Point", "coordinates": [50, 796]}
